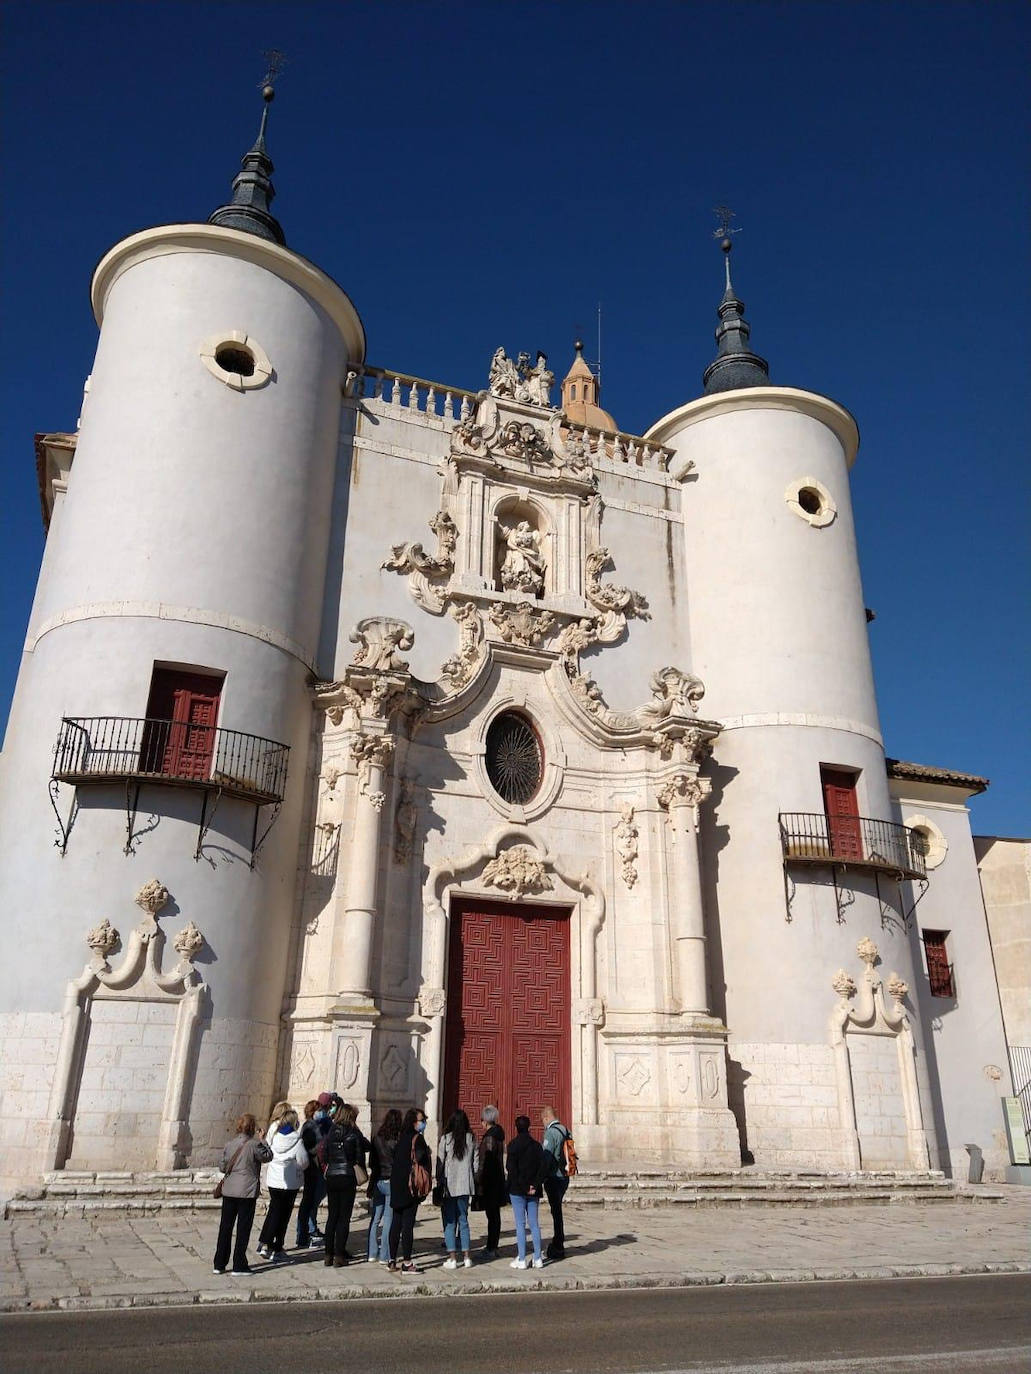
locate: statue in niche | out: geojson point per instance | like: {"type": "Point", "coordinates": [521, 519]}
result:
{"type": "Point", "coordinates": [523, 567]}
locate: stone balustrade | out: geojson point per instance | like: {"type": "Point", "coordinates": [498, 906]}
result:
{"type": "Point", "coordinates": [417, 395]}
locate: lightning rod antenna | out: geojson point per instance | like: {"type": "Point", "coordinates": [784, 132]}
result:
{"type": "Point", "coordinates": [599, 348]}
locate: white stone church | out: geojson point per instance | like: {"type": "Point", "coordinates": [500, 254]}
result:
{"type": "Point", "coordinates": [444, 744]}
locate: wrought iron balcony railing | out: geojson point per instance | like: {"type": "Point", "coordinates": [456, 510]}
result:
{"type": "Point", "coordinates": [852, 842]}
{"type": "Point", "coordinates": [100, 749]}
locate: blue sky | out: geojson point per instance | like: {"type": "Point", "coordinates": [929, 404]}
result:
{"type": "Point", "coordinates": [476, 174]}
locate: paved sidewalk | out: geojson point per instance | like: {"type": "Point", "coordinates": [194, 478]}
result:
{"type": "Point", "coordinates": [165, 1259]}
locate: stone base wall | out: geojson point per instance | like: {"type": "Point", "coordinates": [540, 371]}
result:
{"type": "Point", "coordinates": [28, 1052]}
{"type": "Point", "coordinates": [123, 1084]}
{"type": "Point", "coordinates": [790, 1105]}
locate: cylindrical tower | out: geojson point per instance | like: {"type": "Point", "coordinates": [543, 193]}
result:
{"type": "Point", "coordinates": [801, 857]}
{"type": "Point", "coordinates": [168, 659]}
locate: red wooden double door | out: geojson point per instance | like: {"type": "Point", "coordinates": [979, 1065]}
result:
{"type": "Point", "coordinates": [508, 1017]}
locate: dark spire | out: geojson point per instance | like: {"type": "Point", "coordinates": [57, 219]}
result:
{"type": "Point", "coordinates": [735, 365]}
{"type": "Point", "coordinates": [252, 187]}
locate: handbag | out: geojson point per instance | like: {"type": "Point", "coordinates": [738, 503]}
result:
{"type": "Point", "coordinates": [361, 1175]}
{"type": "Point", "coordinates": [217, 1190]}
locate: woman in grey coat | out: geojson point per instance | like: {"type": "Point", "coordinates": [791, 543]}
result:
{"type": "Point", "coordinates": [456, 1171]}
{"type": "Point", "coordinates": [242, 1159]}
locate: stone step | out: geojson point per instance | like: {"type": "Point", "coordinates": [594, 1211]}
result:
{"type": "Point", "coordinates": [87, 1194]}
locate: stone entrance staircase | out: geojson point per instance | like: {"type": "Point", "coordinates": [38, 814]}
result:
{"type": "Point", "coordinates": [68, 1193]}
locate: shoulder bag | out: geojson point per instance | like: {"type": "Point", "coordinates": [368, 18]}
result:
{"type": "Point", "coordinates": [217, 1190]}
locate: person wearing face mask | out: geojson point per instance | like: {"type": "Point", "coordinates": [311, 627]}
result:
{"type": "Point", "coordinates": [313, 1132]}
{"type": "Point", "coordinates": [410, 1176]}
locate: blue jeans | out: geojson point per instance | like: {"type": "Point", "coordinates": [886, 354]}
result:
{"type": "Point", "coordinates": [456, 1212]}
{"type": "Point", "coordinates": [381, 1216]}
{"type": "Point", "coordinates": [524, 1209]}
{"type": "Point", "coordinates": [314, 1192]}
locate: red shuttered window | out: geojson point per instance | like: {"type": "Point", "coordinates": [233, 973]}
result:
{"type": "Point", "coordinates": [939, 970]}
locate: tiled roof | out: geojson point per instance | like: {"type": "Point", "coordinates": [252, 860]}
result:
{"type": "Point", "coordinates": [922, 772]}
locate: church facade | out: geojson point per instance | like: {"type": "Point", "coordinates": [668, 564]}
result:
{"type": "Point", "coordinates": [449, 745]}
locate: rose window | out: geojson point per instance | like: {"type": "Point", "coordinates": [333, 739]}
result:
{"type": "Point", "coordinates": [515, 763]}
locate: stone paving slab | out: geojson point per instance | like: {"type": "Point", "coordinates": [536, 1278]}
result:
{"type": "Point", "coordinates": [106, 1262]}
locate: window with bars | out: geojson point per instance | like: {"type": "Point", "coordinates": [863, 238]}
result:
{"type": "Point", "coordinates": [514, 759]}
{"type": "Point", "coordinates": [939, 970]}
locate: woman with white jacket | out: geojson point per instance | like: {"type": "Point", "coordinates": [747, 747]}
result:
{"type": "Point", "coordinates": [284, 1179]}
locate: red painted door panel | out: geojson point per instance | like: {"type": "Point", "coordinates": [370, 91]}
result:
{"type": "Point", "coordinates": [182, 713]}
{"type": "Point", "coordinates": [842, 809]}
{"type": "Point", "coordinates": [507, 1037]}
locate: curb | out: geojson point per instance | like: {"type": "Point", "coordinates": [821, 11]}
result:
{"type": "Point", "coordinates": [700, 1279]}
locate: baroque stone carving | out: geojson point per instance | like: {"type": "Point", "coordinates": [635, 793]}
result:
{"type": "Point", "coordinates": [898, 987]}
{"type": "Point", "coordinates": [461, 667]}
{"type": "Point", "coordinates": [379, 639]}
{"type": "Point", "coordinates": [844, 984]}
{"type": "Point", "coordinates": [432, 1002]}
{"type": "Point", "coordinates": [634, 1076]}
{"type": "Point", "coordinates": [867, 951]}
{"type": "Point", "coordinates": [427, 571]}
{"type": "Point", "coordinates": [673, 693]}
{"type": "Point", "coordinates": [625, 837]}
{"type": "Point", "coordinates": [523, 567]}
{"type": "Point", "coordinates": [102, 939]}
{"type": "Point", "coordinates": [519, 380]}
{"type": "Point", "coordinates": [152, 897]}
{"type": "Point", "coordinates": [406, 817]}
{"type": "Point", "coordinates": [188, 943]}
{"type": "Point", "coordinates": [331, 775]}
{"type": "Point", "coordinates": [368, 752]}
{"type": "Point", "coordinates": [524, 623]}
{"type": "Point", "coordinates": [392, 1069]}
{"type": "Point", "coordinates": [606, 596]}
{"type": "Point", "coordinates": [517, 870]}
{"type": "Point", "coordinates": [684, 789]}
{"type": "Point", "coordinates": [589, 1011]}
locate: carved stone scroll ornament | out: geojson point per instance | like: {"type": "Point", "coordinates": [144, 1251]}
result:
{"type": "Point", "coordinates": [625, 838]}
{"type": "Point", "coordinates": [524, 624]}
{"type": "Point", "coordinates": [379, 639]}
{"type": "Point", "coordinates": [607, 596]}
{"type": "Point", "coordinates": [589, 1011]}
{"type": "Point", "coordinates": [461, 667]}
{"type": "Point", "coordinates": [428, 573]}
{"type": "Point", "coordinates": [517, 870]}
{"type": "Point", "coordinates": [673, 693]}
{"type": "Point", "coordinates": [523, 566]}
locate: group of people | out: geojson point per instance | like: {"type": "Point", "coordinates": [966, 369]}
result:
{"type": "Point", "coordinates": [326, 1156]}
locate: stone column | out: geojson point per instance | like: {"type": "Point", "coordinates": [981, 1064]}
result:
{"type": "Point", "coordinates": [681, 796]}
{"type": "Point", "coordinates": [352, 942]}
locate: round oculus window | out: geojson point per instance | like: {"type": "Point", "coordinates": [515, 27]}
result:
{"type": "Point", "coordinates": [514, 760]}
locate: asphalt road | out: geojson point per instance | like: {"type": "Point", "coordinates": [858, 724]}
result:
{"type": "Point", "coordinates": [903, 1326]}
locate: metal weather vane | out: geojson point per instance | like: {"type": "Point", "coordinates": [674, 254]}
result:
{"type": "Point", "coordinates": [723, 230]}
{"type": "Point", "coordinates": [275, 61]}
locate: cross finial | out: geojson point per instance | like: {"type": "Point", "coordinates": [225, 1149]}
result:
{"type": "Point", "coordinates": [275, 61]}
{"type": "Point", "coordinates": [723, 230]}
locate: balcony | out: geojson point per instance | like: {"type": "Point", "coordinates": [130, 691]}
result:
{"type": "Point", "coordinates": [95, 750]}
{"type": "Point", "coordinates": [851, 842]}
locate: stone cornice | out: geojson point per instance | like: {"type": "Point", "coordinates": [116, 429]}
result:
{"type": "Point", "coordinates": [837, 419]}
{"type": "Point", "coordinates": [209, 238]}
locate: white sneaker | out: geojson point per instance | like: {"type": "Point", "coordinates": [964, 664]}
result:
{"type": "Point", "coordinates": [517, 1264]}
{"type": "Point", "coordinates": [539, 1262]}
{"type": "Point", "coordinates": [451, 1262]}
{"type": "Point", "coordinates": [467, 1263]}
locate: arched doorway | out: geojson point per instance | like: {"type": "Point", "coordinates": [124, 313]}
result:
{"type": "Point", "coordinates": [507, 1037]}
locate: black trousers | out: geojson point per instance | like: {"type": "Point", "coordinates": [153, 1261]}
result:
{"type": "Point", "coordinates": [555, 1188]}
{"type": "Point", "coordinates": [339, 1206]}
{"type": "Point", "coordinates": [277, 1218]}
{"type": "Point", "coordinates": [402, 1230]}
{"type": "Point", "coordinates": [492, 1211]}
{"type": "Point", "coordinates": [238, 1212]}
